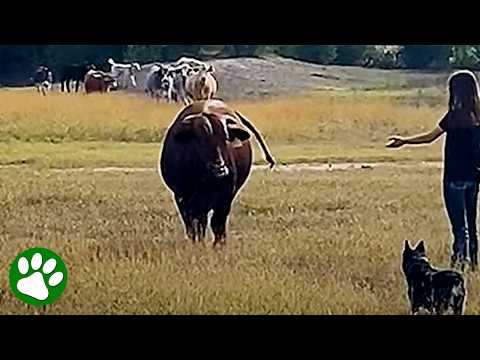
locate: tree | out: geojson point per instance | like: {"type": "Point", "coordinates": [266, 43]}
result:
{"type": "Point", "coordinates": [321, 54]}
{"type": "Point", "coordinates": [465, 56]}
{"type": "Point", "coordinates": [426, 56]}
{"type": "Point", "coordinates": [248, 50]}
{"type": "Point", "coordinates": [350, 54]}
{"type": "Point", "coordinates": [214, 51]}
{"type": "Point", "coordinates": [145, 53]}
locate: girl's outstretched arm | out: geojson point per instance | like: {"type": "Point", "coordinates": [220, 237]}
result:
{"type": "Point", "coordinates": [398, 141]}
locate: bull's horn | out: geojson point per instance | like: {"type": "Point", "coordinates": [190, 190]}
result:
{"type": "Point", "coordinates": [259, 138]}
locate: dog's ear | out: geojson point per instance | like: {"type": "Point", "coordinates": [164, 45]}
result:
{"type": "Point", "coordinates": [407, 246]}
{"type": "Point", "coordinates": [421, 247]}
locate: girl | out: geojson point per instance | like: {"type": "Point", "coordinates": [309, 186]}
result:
{"type": "Point", "coordinates": [461, 164]}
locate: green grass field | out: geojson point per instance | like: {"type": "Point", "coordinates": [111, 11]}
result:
{"type": "Point", "coordinates": [300, 243]}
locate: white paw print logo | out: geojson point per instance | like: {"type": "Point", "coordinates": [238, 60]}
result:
{"type": "Point", "coordinates": [38, 277]}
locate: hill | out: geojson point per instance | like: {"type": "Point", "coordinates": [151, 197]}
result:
{"type": "Point", "coordinates": [251, 78]}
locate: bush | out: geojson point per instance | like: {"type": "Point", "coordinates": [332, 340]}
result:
{"type": "Point", "coordinates": [321, 54]}
{"type": "Point", "coordinates": [350, 54]}
{"type": "Point", "coordinates": [466, 56]}
{"type": "Point", "coordinates": [383, 57]}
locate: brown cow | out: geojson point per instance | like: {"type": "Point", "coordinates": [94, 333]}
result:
{"type": "Point", "coordinates": [206, 159]}
{"type": "Point", "coordinates": [98, 81]}
{"type": "Point", "coordinates": [201, 85]}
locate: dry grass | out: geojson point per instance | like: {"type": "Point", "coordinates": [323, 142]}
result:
{"type": "Point", "coordinates": [322, 243]}
{"type": "Point", "coordinates": [329, 126]}
{"type": "Point", "coordinates": [319, 243]}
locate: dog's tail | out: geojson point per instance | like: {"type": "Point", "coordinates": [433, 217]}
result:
{"type": "Point", "coordinates": [111, 62]}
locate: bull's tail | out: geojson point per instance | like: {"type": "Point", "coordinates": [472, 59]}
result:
{"type": "Point", "coordinates": [251, 127]}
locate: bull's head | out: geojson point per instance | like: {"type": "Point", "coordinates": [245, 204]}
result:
{"type": "Point", "coordinates": [203, 74]}
{"type": "Point", "coordinates": [110, 82]}
{"type": "Point", "coordinates": [210, 136]}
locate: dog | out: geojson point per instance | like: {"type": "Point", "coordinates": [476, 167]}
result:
{"type": "Point", "coordinates": [435, 291]}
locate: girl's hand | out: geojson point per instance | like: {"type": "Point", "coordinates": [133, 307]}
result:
{"type": "Point", "coordinates": [396, 142]}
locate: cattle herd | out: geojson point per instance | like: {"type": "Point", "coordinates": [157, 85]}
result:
{"type": "Point", "coordinates": [207, 153]}
{"type": "Point", "coordinates": [184, 81]}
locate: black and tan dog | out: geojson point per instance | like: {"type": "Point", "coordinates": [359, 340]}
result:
{"type": "Point", "coordinates": [430, 289]}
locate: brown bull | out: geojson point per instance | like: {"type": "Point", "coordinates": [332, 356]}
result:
{"type": "Point", "coordinates": [201, 85]}
{"type": "Point", "coordinates": [206, 159]}
{"type": "Point", "coordinates": [98, 81]}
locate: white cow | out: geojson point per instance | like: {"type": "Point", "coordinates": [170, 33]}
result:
{"type": "Point", "coordinates": [174, 81]}
{"type": "Point", "coordinates": [124, 72]}
{"type": "Point", "coordinates": [192, 63]}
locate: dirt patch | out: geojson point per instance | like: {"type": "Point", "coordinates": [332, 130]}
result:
{"type": "Point", "coordinates": [253, 78]}
{"type": "Point", "coordinates": [281, 168]}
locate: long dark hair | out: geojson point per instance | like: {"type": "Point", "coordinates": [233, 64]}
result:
{"type": "Point", "coordinates": [464, 99]}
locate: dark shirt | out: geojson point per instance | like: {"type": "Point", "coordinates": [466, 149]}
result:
{"type": "Point", "coordinates": [462, 147]}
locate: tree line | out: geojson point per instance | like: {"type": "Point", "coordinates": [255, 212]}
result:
{"type": "Point", "coordinates": [17, 62]}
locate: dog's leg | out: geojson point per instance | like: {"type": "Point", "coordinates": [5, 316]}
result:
{"type": "Point", "coordinates": [458, 305]}
{"type": "Point", "coordinates": [415, 308]}
{"type": "Point", "coordinates": [439, 307]}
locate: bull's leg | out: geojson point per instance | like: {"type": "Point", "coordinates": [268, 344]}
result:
{"type": "Point", "coordinates": [68, 86]}
{"type": "Point", "coordinates": [200, 224]}
{"type": "Point", "coordinates": [187, 219]}
{"type": "Point", "coordinates": [77, 86]}
{"type": "Point", "coordinates": [219, 225]}
{"type": "Point", "coordinates": [170, 94]}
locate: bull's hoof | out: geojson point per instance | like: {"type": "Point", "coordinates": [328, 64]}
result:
{"type": "Point", "coordinates": [219, 244]}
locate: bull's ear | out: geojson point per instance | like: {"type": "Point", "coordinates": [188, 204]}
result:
{"type": "Point", "coordinates": [184, 130]}
{"type": "Point", "coordinates": [235, 131]}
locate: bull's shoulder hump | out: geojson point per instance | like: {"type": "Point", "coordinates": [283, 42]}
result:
{"type": "Point", "coordinates": [219, 108]}
{"type": "Point", "coordinates": [192, 109]}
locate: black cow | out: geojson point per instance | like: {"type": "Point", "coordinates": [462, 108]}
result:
{"type": "Point", "coordinates": [153, 83]}
{"type": "Point", "coordinates": [74, 73]}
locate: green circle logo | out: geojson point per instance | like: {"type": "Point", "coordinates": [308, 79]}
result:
{"type": "Point", "coordinates": [38, 277]}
